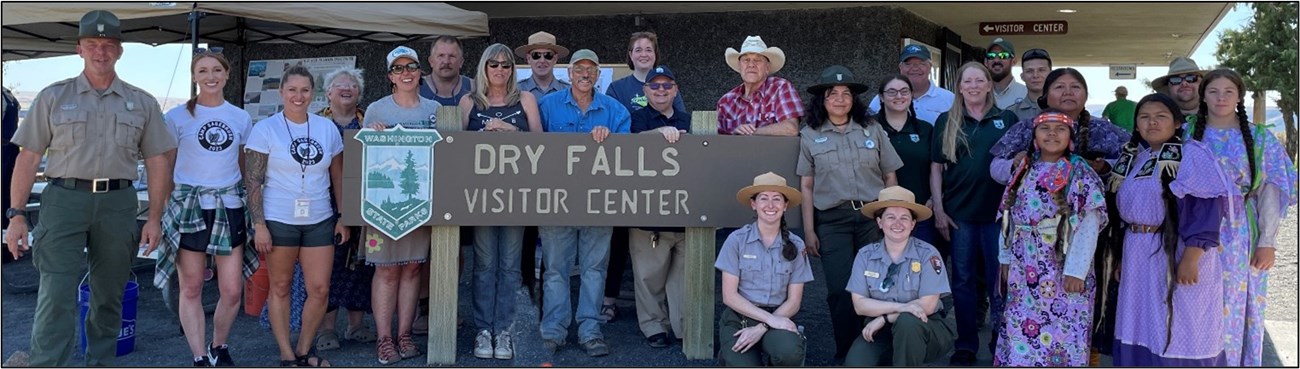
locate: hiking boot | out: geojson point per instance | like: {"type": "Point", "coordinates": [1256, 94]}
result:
{"type": "Point", "coordinates": [483, 345]}
{"type": "Point", "coordinates": [596, 347]}
{"type": "Point", "coordinates": [220, 356]}
{"type": "Point", "coordinates": [505, 348]}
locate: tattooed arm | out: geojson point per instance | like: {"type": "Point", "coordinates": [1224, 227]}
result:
{"type": "Point", "coordinates": [254, 182]}
{"type": "Point", "coordinates": [336, 182]}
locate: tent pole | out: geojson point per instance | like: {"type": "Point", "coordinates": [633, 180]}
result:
{"type": "Point", "coordinates": [194, 40]}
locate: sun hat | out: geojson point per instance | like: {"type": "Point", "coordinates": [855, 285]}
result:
{"type": "Point", "coordinates": [897, 196]}
{"type": "Point", "coordinates": [770, 182]}
{"type": "Point", "coordinates": [755, 44]}
{"type": "Point", "coordinates": [541, 40]}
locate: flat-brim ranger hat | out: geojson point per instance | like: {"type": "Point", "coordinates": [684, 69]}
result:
{"type": "Point", "coordinates": [770, 182]}
{"type": "Point", "coordinates": [896, 196]}
{"type": "Point", "coordinates": [100, 23]}
{"type": "Point", "coordinates": [837, 75]}
{"type": "Point", "coordinates": [541, 40]}
{"type": "Point", "coordinates": [755, 45]}
{"type": "Point", "coordinates": [1179, 66]}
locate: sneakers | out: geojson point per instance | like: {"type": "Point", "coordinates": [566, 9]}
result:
{"type": "Point", "coordinates": [596, 347]}
{"type": "Point", "coordinates": [659, 340]}
{"type": "Point", "coordinates": [201, 361]}
{"type": "Point", "coordinates": [505, 348]}
{"type": "Point", "coordinates": [552, 346]}
{"type": "Point", "coordinates": [483, 345]}
{"type": "Point", "coordinates": [387, 351]}
{"type": "Point", "coordinates": [220, 356]}
{"type": "Point", "coordinates": [406, 347]}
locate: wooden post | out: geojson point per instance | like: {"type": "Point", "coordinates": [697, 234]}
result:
{"type": "Point", "coordinates": [444, 253]}
{"type": "Point", "coordinates": [700, 245]}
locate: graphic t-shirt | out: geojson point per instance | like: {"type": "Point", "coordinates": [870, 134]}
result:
{"type": "Point", "coordinates": [387, 111]}
{"type": "Point", "coordinates": [207, 152]}
{"type": "Point", "coordinates": [298, 165]}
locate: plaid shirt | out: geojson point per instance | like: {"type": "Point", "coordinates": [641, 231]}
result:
{"type": "Point", "coordinates": [774, 101]}
{"type": "Point", "coordinates": [185, 215]}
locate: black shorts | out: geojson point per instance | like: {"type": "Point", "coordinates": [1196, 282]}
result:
{"type": "Point", "coordinates": [307, 235]}
{"type": "Point", "coordinates": [198, 241]}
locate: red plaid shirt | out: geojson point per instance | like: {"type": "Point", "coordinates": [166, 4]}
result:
{"type": "Point", "coordinates": [774, 101]}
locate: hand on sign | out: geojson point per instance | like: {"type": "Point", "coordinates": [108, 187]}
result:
{"type": "Point", "coordinates": [600, 133]}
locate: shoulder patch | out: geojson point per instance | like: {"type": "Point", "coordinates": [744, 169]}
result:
{"type": "Point", "coordinates": [936, 263]}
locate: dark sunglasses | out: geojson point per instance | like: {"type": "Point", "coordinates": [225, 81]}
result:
{"type": "Point", "coordinates": [501, 65]}
{"type": "Point", "coordinates": [999, 55]}
{"type": "Point", "coordinates": [1188, 78]}
{"type": "Point", "coordinates": [548, 55]}
{"type": "Point", "coordinates": [660, 86]}
{"type": "Point", "coordinates": [888, 282]}
{"type": "Point", "coordinates": [409, 67]}
{"type": "Point", "coordinates": [1035, 54]}
{"type": "Point", "coordinates": [206, 51]}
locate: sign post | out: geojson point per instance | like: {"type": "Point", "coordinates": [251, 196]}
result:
{"type": "Point", "coordinates": [1055, 27]}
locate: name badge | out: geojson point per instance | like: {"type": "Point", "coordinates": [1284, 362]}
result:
{"type": "Point", "coordinates": [871, 274]}
{"type": "Point", "coordinates": [820, 140]}
{"type": "Point", "coordinates": [68, 106]}
{"type": "Point", "coordinates": [301, 208]}
{"type": "Point", "coordinates": [747, 256]}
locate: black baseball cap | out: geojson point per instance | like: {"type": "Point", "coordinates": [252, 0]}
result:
{"type": "Point", "coordinates": [1035, 53]}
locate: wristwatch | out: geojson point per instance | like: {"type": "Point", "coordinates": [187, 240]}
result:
{"type": "Point", "coordinates": [10, 213]}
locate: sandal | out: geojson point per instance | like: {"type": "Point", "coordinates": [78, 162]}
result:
{"type": "Point", "coordinates": [608, 312]}
{"type": "Point", "coordinates": [362, 334]}
{"type": "Point", "coordinates": [406, 347]}
{"type": "Point", "coordinates": [327, 340]}
{"type": "Point", "coordinates": [386, 351]}
{"type": "Point", "coordinates": [305, 360]}
{"type": "Point", "coordinates": [288, 363]}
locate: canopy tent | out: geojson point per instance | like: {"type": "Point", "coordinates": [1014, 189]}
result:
{"type": "Point", "coordinates": [38, 30]}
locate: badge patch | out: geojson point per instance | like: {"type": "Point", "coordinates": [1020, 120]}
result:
{"type": "Point", "coordinates": [215, 136]}
{"type": "Point", "coordinates": [998, 123]}
{"type": "Point", "coordinates": [397, 164]}
{"type": "Point", "coordinates": [915, 137]}
{"type": "Point", "coordinates": [916, 266]}
{"type": "Point", "coordinates": [937, 264]}
{"type": "Point", "coordinates": [820, 140]}
{"type": "Point", "coordinates": [870, 144]}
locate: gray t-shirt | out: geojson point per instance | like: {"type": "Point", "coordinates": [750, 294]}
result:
{"type": "Point", "coordinates": [387, 111]}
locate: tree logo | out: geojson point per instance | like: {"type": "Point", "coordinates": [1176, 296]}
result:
{"type": "Point", "coordinates": [397, 165]}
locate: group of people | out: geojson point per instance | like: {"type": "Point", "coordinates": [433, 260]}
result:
{"type": "Point", "coordinates": [1067, 234]}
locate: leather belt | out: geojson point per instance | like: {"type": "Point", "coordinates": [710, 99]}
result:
{"type": "Point", "coordinates": [98, 185]}
{"type": "Point", "coordinates": [853, 205]}
{"type": "Point", "coordinates": [1143, 228]}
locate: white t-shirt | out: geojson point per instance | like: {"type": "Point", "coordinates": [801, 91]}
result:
{"type": "Point", "coordinates": [208, 142]}
{"type": "Point", "coordinates": [298, 166]}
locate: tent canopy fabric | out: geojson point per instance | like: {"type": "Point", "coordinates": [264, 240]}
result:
{"type": "Point", "coordinates": [38, 30]}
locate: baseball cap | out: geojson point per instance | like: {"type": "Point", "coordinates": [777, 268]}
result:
{"type": "Point", "coordinates": [100, 23]}
{"type": "Point", "coordinates": [660, 71]}
{"type": "Point", "coordinates": [1036, 53]}
{"type": "Point", "coordinates": [1006, 45]}
{"type": "Point", "coordinates": [584, 54]}
{"type": "Point", "coordinates": [402, 52]}
{"type": "Point", "coordinates": [914, 51]}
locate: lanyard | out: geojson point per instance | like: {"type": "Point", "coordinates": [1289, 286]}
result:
{"type": "Point", "coordinates": [302, 179]}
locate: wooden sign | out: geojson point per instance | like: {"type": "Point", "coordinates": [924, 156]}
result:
{"type": "Point", "coordinates": [1058, 27]}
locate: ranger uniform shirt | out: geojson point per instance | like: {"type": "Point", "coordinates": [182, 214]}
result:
{"type": "Point", "coordinates": [765, 276]}
{"type": "Point", "coordinates": [89, 134]}
{"type": "Point", "coordinates": [920, 272]}
{"type": "Point", "coordinates": [846, 166]}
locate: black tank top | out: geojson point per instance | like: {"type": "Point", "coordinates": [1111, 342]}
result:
{"type": "Point", "coordinates": [513, 114]}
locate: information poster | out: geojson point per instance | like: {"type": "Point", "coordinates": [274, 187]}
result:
{"type": "Point", "coordinates": [262, 90]}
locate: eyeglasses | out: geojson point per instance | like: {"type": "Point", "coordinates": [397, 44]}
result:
{"type": "Point", "coordinates": [583, 70]}
{"type": "Point", "coordinates": [538, 55]}
{"type": "Point", "coordinates": [499, 64]}
{"type": "Point", "coordinates": [999, 55]}
{"type": "Point", "coordinates": [206, 51]}
{"type": "Point", "coordinates": [888, 282]}
{"type": "Point", "coordinates": [900, 92]}
{"type": "Point", "coordinates": [409, 67]}
{"type": "Point", "coordinates": [1035, 54]}
{"type": "Point", "coordinates": [661, 86]}
{"type": "Point", "coordinates": [1188, 78]}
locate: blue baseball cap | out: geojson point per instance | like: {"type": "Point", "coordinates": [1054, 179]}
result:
{"type": "Point", "coordinates": [660, 71]}
{"type": "Point", "coordinates": [914, 51]}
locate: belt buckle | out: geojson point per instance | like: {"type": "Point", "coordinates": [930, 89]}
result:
{"type": "Point", "coordinates": [857, 205]}
{"type": "Point", "coordinates": [97, 184]}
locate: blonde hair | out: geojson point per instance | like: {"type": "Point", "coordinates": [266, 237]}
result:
{"type": "Point", "coordinates": [479, 95]}
{"type": "Point", "coordinates": [952, 135]}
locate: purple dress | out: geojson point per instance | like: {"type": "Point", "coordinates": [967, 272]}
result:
{"type": "Point", "coordinates": [1044, 325]}
{"type": "Point", "coordinates": [1246, 289]}
{"type": "Point", "coordinates": [1142, 327]}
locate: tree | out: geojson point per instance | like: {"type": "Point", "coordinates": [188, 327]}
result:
{"type": "Point", "coordinates": [1265, 53]}
{"type": "Point", "coordinates": [410, 179]}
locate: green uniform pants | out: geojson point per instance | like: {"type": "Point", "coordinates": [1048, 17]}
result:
{"type": "Point", "coordinates": [783, 348]}
{"type": "Point", "coordinates": [843, 231]}
{"type": "Point", "coordinates": [906, 342]}
{"type": "Point", "coordinates": [103, 224]}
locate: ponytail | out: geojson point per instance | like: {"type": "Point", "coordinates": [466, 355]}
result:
{"type": "Point", "coordinates": [189, 105]}
{"type": "Point", "coordinates": [787, 248]}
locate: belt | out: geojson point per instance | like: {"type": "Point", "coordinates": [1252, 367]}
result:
{"type": "Point", "coordinates": [1142, 228]}
{"type": "Point", "coordinates": [97, 185]}
{"type": "Point", "coordinates": [853, 205]}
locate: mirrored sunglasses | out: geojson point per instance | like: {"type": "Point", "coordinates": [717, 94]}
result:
{"type": "Point", "coordinates": [1188, 78]}
{"type": "Point", "coordinates": [999, 55]}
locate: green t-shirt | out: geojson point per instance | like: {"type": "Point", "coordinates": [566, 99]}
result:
{"type": "Point", "coordinates": [1120, 112]}
{"type": "Point", "coordinates": [969, 193]}
{"type": "Point", "coordinates": [913, 146]}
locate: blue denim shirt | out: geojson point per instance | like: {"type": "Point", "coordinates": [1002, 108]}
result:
{"type": "Point", "coordinates": [561, 114]}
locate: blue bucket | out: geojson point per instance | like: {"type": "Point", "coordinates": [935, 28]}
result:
{"type": "Point", "coordinates": [126, 336]}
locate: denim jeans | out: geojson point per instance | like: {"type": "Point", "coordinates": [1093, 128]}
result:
{"type": "Point", "coordinates": [560, 245]}
{"type": "Point", "coordinates": [975, 256]}
{"type": "Point", "coordinates": [496, 276]}
{"type": "Point", "coordinates": [925, 231]}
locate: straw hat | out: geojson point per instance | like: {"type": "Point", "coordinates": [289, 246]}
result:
{"type": "Point", "coordinates": [895, 196]}
{"type": "Point", "coordinates": [1180, 65]}
{"type": "Point", "coordinates": [770, 182]}
{"type": "Point", "coordinates": [541, 40]}
{"type": "Point", "coordinates": [755, 44]}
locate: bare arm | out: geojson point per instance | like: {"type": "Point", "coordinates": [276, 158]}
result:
{"type": "Point", "coordinates": [891, 179]}
{"type": "Point", "coordinates": [788, 127]}
{"type": "Point", "coordinates": [24, 176]}
{"type": "Point", "coordinates": [866, 306]}
{"type": "Point", "coordinates": [530, 109]}
{"type": "Point", "coordinates": [812, 243]}
{"type": "Point", "coordinates": [254, 180]}
{"type": "Point", "coordinates": [159, 170]}
{"type": "Point", "coordinates": [793, 299]}
{"type": "Point", "coordinates": [465, 104]}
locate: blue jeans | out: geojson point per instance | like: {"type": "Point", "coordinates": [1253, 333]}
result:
{"type": "Point", "coordinates": [925, 231]}
{"type": "Point", "coordinates": [496, 276]}
{"type": "Point", "coordinates": [560, 245]}
{"type": "Point", "coordinates": [975, 257]}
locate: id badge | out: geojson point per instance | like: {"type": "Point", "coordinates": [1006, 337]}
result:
{"type": "Point", "coordinates": [301, 208]}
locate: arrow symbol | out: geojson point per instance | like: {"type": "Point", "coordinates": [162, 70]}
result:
{"type": "Point", "coordinates": [988, 28]}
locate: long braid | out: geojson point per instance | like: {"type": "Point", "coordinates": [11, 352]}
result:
{"type": "Point", "coordinates": [1085, 130]}
{"type": "Point", "coordinates": [1248, 139]}
{"type": "Point", "coordinates": [1198, 127]}
{"type": "Point", "coordinates": [787, 248]}
{"type": "Point", "coordinates": [1169, 235]}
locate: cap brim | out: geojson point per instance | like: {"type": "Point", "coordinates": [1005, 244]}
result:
{"type": "Point", "coordinates": [856, 88]}
{"type": "Point", "coordinates": [560, 51]}
{"type": "Point", "coordinates": [775, 57]}
{"type": "Point", "coordinates": [921, 212]}
{"type": "Point", "coordinates": [792, 196]}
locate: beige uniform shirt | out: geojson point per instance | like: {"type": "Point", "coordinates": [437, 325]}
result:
{"type": "Point", "coordinates": [89, 134]}
{"type": "Point", "coordinates": [846, 166]}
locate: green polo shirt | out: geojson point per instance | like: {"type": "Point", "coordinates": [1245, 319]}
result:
{"type": "Point", "coordinates": [913, 144]}
{"type": "Point", "coordinates": [1120, 112]}
{"type": "Point", "coordinates": [969, 193]}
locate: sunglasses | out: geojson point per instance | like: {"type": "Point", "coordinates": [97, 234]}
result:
{"type": "Point", "coordinates": [999, 55]}
{"type": "Point", "coordinates": [1036, 54]}
{"type": "Point", "coordinates": [1188, 78]}
{"type": "Point", "coordinates": [539, 55]}
{"type": "Point", "coordinates": [660, 86]}
{"type": "Point", "coordinates": [206, 51]}
{"type": "Point", "coordinates": [399, 69]}
{"type": "Point", "coordinates": [888, 282]}
{"type": "Point", "coordinates": [499, 65]}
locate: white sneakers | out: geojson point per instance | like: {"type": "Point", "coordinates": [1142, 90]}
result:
{"type": "Point", "coordinates": [483, 347]}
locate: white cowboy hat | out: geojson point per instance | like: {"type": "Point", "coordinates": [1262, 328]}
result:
{"type": "Point", "coordinates": [754, 44]}
{"type": "Point", "coordinates": [770, 182]}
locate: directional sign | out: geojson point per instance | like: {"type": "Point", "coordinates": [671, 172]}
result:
{"type": "Point", "coordinates": [1123, 71]}
{"type": "Point", "coordinates": [1058, 27]}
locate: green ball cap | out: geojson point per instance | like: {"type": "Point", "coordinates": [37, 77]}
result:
{"type": "Point", "coordinates": [100, 23]}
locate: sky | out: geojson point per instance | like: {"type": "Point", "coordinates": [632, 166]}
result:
{"type": "Point", "coordinates": [160, 70]}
